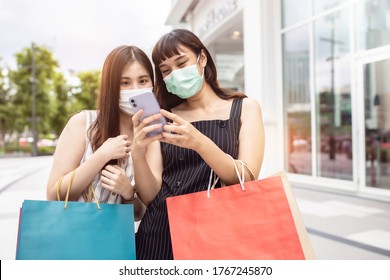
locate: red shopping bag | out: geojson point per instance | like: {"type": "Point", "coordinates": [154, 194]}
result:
{"type": "Point", "coordinates": [260, 222]}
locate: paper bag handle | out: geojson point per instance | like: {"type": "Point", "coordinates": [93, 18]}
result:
{"type": "Point", "coordinates": [241, 177]}
{"type": "Point", "coordinates": [59, 183]}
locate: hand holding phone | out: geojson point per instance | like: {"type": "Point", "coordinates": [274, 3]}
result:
{"type": "Point", "coordinates": [148, 102]}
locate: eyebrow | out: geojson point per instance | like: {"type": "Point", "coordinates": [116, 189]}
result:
{"type": "Point", "coordinates": [176, 59]}
{"type": "Point", "coordinates": [142, 76]}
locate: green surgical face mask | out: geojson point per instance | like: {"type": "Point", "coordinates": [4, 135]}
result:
{"type": "Point", "coordinates": [185, 82]}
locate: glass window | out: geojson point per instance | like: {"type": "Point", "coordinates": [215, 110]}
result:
{"type": "Point", "coordinates": [324, 5]}
{"type": "Point", "coordinates": [333, 96]}
{"type": "Point", "coordinates": [372, 24]}
{"type": "Point", "coordinates": [230, 69]}
{"type": "Point", "coordinates": [377, 123]}
{"type": "Point", "coordinates": [295, 11]}
{"type": "Point", "coordinates": [296, 92]}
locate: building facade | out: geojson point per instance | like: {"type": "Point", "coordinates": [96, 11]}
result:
{"type": "Point", "coordinates": [319, 70]}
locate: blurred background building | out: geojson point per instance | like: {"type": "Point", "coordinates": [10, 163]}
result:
{"type": "Point", "coordinates": [319, 69]}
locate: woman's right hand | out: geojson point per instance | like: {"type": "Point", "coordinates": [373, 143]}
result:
{"type": "Point", "coordinates": [182, 133]}
{"type": "Point", "coordinates": [116, 147]}
{"type": "Point", "coordinates": [141, 129]}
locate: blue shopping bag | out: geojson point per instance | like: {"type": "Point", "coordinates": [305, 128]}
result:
{"type": "Point", "coordinates": [79, 231]}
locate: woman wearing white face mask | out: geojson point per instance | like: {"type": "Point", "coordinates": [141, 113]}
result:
{"type": "Point", "coordinates": [124, 97]}
{"type": "Point", "coordinates": [208, 124]}
{"type": "Point", "coordinates": [101, 144]}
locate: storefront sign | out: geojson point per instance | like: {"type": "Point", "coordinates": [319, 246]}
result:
{"type": "Point", "coordinates": [217, 15]}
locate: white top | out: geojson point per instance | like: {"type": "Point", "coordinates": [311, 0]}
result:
{"type": "Point", "coordinates": [102, 194]}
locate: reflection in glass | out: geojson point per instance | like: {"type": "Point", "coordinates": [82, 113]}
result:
{"type": "Point", "coordinates": [333, 90]}
{"type": "Point", "coordinates": [372, 24]}
{"type": "Point", "coordinates": [296, 92]}
{"type": "Point", "coordinates": [230, 69]}
{"type": "Point", "coordinates": [324, 5]}
{"type": "Point", "coordinates": [292, 14]}
{"type": "Point", "coordinates": [377, 123]}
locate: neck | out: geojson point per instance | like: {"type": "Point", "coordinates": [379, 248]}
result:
{"type": "Point", "coordinates": [203, 99]}
{"type": "Point", "coordinates": [126, 124]}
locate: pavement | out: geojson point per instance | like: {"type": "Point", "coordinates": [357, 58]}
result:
{"type": "Point", "coordinates": [340, 226]}
{"type": "Point", "coordinates": [20, 178]}
{"type": "Point", "coordinates": [345, 227]}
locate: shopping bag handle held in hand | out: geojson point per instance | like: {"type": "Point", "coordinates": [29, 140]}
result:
{"type": "Point", "coordinates": [241, 177]}
{"type": "Point", "coordinates": [59, 183]}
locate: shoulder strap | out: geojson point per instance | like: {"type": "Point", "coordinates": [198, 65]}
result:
{"type": "Point", "coordinates": [88, 123]}
{"type": "Point", "coordinates": [235, 111]}
{"type": "Point", "coordinates": [90, 117]}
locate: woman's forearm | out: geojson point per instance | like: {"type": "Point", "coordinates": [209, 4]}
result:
{"type": "Point", "coordinates": [147, 183]}
{"type": "Point", "coordinates": [83, 176]}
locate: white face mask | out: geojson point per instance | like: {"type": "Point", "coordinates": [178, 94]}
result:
{"type": "Point", "coordinates": [124, 96]}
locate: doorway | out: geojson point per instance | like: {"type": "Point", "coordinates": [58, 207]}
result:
{"type": "Point", "coordinates": [374, 97]}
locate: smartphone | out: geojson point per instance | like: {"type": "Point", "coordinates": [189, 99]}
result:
{"type": "Point", "coordinates": [148, 102]}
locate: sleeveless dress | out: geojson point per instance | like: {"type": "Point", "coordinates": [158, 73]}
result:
{"type": "Point", "coordinates": [184, 171]}
{"type": "Point", "coordinates": [103, 195]}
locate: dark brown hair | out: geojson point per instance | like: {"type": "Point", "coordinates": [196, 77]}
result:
{"type": "Point", "coordinates": [107, 124]}
{"type": "Point", "coordinates": [169, 45]}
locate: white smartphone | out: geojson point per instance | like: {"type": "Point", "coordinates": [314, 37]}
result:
{"type": "Point", "coordinates": [148, 102]}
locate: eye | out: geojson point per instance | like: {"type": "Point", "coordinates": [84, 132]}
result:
{"type": "Point", "coordinates": [165, 72]}
{"type": "Point", "coordinates": [181, 64]}
{"type": "Point", "coordinates": [143, 81]}
{"type": "Point", "coordinates": [125, 83]}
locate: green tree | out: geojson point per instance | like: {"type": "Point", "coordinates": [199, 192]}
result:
{"type": "Point", "coordinates": [40, 60]}
{"type": "Point", "coordinates": [61, 104]}
{"type": "Point", "coordinates": [85, 95]}
{"type": "Point", "coordinates": [7, 114]}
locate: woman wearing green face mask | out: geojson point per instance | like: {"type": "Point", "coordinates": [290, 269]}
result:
{"type": "Point", "coordinates": [208, 125]}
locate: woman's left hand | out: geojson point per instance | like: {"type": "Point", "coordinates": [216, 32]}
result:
{"type": "Point", "coordinates": [181, 133]}
{"type": "Point", "coordinates": [114, 179]}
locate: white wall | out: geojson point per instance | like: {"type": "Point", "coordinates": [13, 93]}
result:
{"type": "Point", "coordinates": [212, 18]}
{"type": "Point", "coordinates": [261, 82]}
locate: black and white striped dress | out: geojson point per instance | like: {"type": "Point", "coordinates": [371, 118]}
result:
{"type": "Point", "coordinates": [184, 172]}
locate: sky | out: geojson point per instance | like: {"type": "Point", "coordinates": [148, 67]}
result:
{"type": "Point", "coordinates": [80, 33]}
